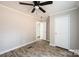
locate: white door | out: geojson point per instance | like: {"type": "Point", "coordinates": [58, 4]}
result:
{"type": "Point", "coordinates": [37, 30]}
{"type": "Point", "coordinates": [41, 30]}
{"type": "Point", "coordinates": [62, 31]}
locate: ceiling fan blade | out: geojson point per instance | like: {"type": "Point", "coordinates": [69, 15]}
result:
{"type": "Point", "coordinates": [33, 10]}
{"type": "Point", "coordinates": [25, 3]}
{"type": "Point", "coordinates": [42, 9]}
{"type": "Point", "coordinates": [46, 3]}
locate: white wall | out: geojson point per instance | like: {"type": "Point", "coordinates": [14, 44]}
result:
{"type": "Point", "coordinates": [16, 28]}
{"type": "Point", "coordinates": [73, 30]}
{"type": "Point", "coordinates": [74, 27]}
{"type": "Point", "coordinates": [78, 28]}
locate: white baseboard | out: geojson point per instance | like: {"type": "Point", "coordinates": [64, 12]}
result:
{"type": "Point", "coordinates": [74, 51]}
{"type": "Point", "coordinates": [52, 44]}
{"type": "Point", "coordinates": [17, 47]}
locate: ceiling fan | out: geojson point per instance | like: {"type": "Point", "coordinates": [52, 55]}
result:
{"type": "Point", "coordinates": [37, 4]}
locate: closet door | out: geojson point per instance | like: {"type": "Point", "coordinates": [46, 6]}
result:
{"type": "Point", "coordinates": [62, 31]}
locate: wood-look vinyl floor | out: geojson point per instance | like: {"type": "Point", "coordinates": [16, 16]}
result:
{"type": "Point", "coordinates": [39, 49]}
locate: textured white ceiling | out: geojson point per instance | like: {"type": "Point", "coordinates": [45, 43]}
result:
{"type": "Point", "coordinates": [57, 6]}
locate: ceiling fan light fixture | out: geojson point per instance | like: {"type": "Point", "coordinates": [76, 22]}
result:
{"type": "Point", "coordinates": [36, 7]}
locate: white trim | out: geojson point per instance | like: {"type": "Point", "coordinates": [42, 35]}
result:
{"type": "Point", "coordinates": [65, 11]}
{"type": "Point", "coordinates": [17, 47]}
{"type": "Point", "coordinates": [71, 50]}
{"type": "Point", "coordinates": [17, 11]}
{"type": "Point", "coordinates": [52, 44]}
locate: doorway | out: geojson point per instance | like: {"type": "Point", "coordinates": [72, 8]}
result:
{"type": "Point", "coordinates": [40, 30]}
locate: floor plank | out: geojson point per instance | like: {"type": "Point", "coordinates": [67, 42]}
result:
{"type": "Point", "coordinates": [39, 49]}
